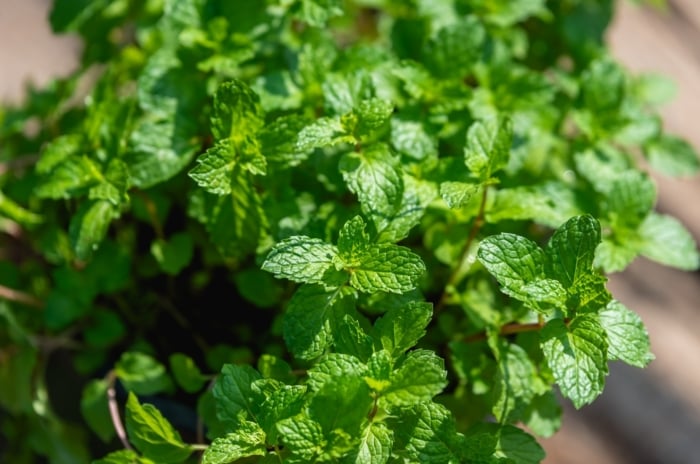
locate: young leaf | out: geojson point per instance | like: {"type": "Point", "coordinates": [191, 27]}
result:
{"type": "Point", "coordinates": [301, 259]}
{"type": "Point", "coordinates": [386, 268]}
{"type": "Point", "coordinates": [123, 457]}
{"type": "Point", "coordinates": [373, 176]}
{"type": "Point", "coordinates": [457, 194]}
{"type": "Point", "coordinates": [628, 339]}
{"type": "Point", "coordinates": [577, 356]}
{"type": "Point", "coordinates": [233, 392]}
{"type": "Point", "coordinates": [488, 147]}
{"type": "Point", "coordinates": [571, 249]}
{"type": "Point", "coordinates": [429, 433]}
{"type": "Point", "coordinates": [420, 376]}
{"type": "Point", "coordinates": [142, 374]}
{"type": "Point", "coordinates": [89, 226]}
{"type": "Point", "coordinates": [401, 328]}
{"type": "Point", "coordinates": [454, 49]}
{"type": "Point", "coordinates": [247, 440]}
{"type": "Point", "coordinates": [186, 373]}
{"type": "Point", "coordinates": [302, 435]}
{"type": "Point", "coordinates": [236, 112]}
{"type": "Point", "coordinates": [513, 260]}
{"type": "Point", "coordinates": [673, 156]}
{"type": "Point", "coordinates": [351, 339]}
{"type": "Point", "coordinates": [312, 317]}
{"type": "Point", "coordinates": [152, 434]}
{"type": "Point", "coordinates": [280, 404]}
{"type": "Point", "coordinates": [175, 254]}
{"type": "Point", "coordinates": [376, 441]}
{"type": "Point", "coordinates": [516, 382]}
{"type": "Point", "coordinates": [666, 241]}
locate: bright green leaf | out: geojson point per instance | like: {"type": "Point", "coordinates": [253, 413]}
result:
{"type": "Point", "coordinates": [673, 156]}
{"type": "Point", "coordinates": [577, 356]}
{"type": "Point", "coordinates": [152, 434]}
{"type": "Point", "coordinates": [233, 392]}
{"type": "Point", "coordinates": [386, 268]}
{"type": "Point", "coordinates": [401, 328]}
{"type": "Point", "coordinates": [628, 339]}
{"type": "Point", "coordinates": [141, 373]}
{"type": "Point", "coordinates": [301, 259]}
{"type": "Point", "coordinates": [247, 440]}
{"type": "Point", "coordinates": [186, 373]}
{"type": "Point", "coordinates": [666, 241]}
{"type": "Point", "coordinates": [571, 249]}
{"type": "Point", "coordinates": [420, 376]}
{"type": "Point", "coordinates": [488, 147]}
{"type": "Point", "coordinates": [312, 317]}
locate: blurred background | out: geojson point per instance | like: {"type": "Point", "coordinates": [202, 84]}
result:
{"type": "Point", "coordinates": [649, 416]}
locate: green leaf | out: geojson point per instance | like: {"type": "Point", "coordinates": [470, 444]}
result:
{"type": "Point", "coordinates": [186, 373]}
{"type": "Point", "coordinates": [152, 434]}
{"type": "Point", "coordinates": [334, 366]}
{"type": "Point", "coordinates": [350, 339]}
{"type": "Point", "coordinates": [516, 382]}
{"type": "Point", "coordinates": [11, 210]}
{"type": "Point", "coordinates": [175, 254]}
{"type": "Point", "coordinates": [420, 376]}
{"type": "Point", "coordinates": [386, 268]}
{"type": "Point", "coordinates": [342, 404]}
{"type": "Point", "coordinates": [237, 114]}
{"type": "Point", "coordinates": [280, 404]}
{"type": "Point", "coordinates": [70, 178]}
{"type": "Point", "coordinates": [372, 115]}
{"type": "Point", "coordinates": [376, 441]}
{"type": "Point", "coordinates": [324, 132]}
{"type": "Point", "coordinates": [506, 13]}
{"type": "Point", "coordinates": [571, 249]}
{"type": "Point", "coordinates": [401, 328]}
{"type": "Point", "coordinates": [235, 221]}
{"type": "Point", "coordinates": [628, 339]}
{"type": "Point", "coordinates": [159, 150]}
{"type": "Point", "coordinates": [95, 409]}
{"type": "Point", "coordinates": [89, 225]}
{"type": "Point", "coordinates": [411, 139]}
{"type": "Point", "coordinates": [317, 12]}
{"type": "Point", "coordinates": [302, 436]}
{"type": "Point", "coordinates": [374, 177]}
{"type": "Point", "coordinates": [513, 260]}
{"type": "Point", "coordinates": [123, 457]}
{"type": "Point", "coordinates": [488, 147]}
{"type": "Point", "coordinates": [233, 392]}
{"type": "Point", "coordinates": [247, 440]}
{"type": "Point", "coordinates": [278, 141]}
{"type": "Point", "coordinates": [666, 241]}
{"type": "Point", "coordinates": [543, 415]}
{"type": "Point", "coordinates": [353, 241]}
{"type": "Point", "coordinates": [457, 194]}
{"type": "Point", "coordinates": [503, 443]}
{"type": "Point", "coordinates": [630, 199]}
{"type": "Point", "coordinates": [430, 436]}
{"type": "Point", "coordinates": [141, 373]}
{"type": "Point", "coordinates": [301, 259]}
{"type": "Point", "coordinates": [312, 317]}
{"type": "Point", "coordinates": [673, 156]}
{"type": "Point", "coordinates": [215, 167]}
{"type": "Point", "coordinates": [577, 356]}
{"type": "Point", "coordinates": [454, 49]}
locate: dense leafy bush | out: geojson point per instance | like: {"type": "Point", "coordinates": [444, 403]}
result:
{"type": "Point", "coordinates": [322, 231]}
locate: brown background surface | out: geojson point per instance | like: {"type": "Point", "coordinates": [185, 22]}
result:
{"type": "Point", "coordinates": [645, 416]}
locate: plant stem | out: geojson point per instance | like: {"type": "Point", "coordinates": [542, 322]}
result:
{"type": "Point", "coordinates": [114, 410]}
{"type": "Point", "coordinates": [509, 329]}
{"type": "Point", "coordinates": [17, 296]}
{"type": "Point", "coordinates": [458, 271]}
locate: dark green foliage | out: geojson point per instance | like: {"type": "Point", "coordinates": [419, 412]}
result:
{"type": "Point", "coordinates": [339, 193]}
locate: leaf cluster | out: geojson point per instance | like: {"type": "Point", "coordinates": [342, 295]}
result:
{"type": "Point", "coordinates": [347, 231]}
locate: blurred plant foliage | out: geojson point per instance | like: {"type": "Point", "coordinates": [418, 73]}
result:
{"type": "Point", "coordinates": [358, 231]}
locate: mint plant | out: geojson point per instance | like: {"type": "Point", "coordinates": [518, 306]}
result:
{"type": "Point", "coordinates": [361, 231]}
